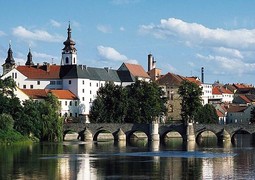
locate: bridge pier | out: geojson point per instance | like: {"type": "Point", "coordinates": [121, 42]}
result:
{"type": "Point", "coordinates": [154, 135]}
{"type": "Point", "coordinates": [190, 135]}
{"type": "Point", "coordinates": [224, 136]}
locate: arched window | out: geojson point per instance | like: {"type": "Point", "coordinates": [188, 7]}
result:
{"type": "Point", "coordinates": [67, 60]}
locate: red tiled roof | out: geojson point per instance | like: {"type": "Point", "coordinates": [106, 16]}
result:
{"type": "Point", "coordinates": [42, 93]}
{"type": "Point", "coordinates": [137, 70]}
{"type": "Point", "coordinates": [194, 80]}
{"type": "Point", "coordinates": [170, 79]}
{"type": "Point", "coordinates": [225, 91]}
{"type": "Point", "coordinates": [215, 90]}
{"type": "Point", "coordinates": [40, 72]}
{"type": "Point", "coordinates": [219, 113]}
{"type": "Point", "coordinates": [245, 98]}
{"type": "Point", "coordinates": [63, 94]}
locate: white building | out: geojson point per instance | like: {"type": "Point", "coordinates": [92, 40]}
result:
{"type": "Point", "coordinates": [82, 81]}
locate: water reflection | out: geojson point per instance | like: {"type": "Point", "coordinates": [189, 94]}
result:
{"type": "Point", "coordinates": [173, 159]}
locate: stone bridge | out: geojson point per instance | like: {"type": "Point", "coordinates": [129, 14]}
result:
{"type": "Point", "coordinates": [159, 131]}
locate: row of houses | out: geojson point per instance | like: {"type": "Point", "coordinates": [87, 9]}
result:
{"type": "Point", "coordinates": [76, 85]}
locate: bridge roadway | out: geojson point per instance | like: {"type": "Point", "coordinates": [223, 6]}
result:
{"type": "Point", "coordinates": [162, 129]}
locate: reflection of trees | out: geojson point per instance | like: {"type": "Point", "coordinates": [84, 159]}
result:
{"type": "Point", "coordinates": [17, 159]}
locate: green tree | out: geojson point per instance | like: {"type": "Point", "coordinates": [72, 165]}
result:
{"type": "Point", "coordinates": [52, 124]}
{"type": "Point", "coordinates": [146, 102]}
{"type": "Point", "coordinates": [6, 122]}
{"type": "Point", "coordinates": [207, 114]}
{"type": "Point", "coordinates": [7, 86]}
{"type": "Point", "coordinates": [191, 100]}
{"type": "Point", "coordinates": [110, 104]}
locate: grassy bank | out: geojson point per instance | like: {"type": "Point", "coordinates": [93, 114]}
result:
{"type": "Point", "coordinates": [11, 136]}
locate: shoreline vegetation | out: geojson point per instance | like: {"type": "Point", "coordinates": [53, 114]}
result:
{"type": "Point", "coordinates": [14, 137]}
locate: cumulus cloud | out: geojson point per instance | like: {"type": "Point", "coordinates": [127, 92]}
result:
{"type": "Point", "coordinates": [55, 23]}
{"type": "Point", "coordinates": [36, 35]}
{"type": "Point", "coordinates": [197, 34]}
{"type": "Point", "coordinates": [228, 65]}
{"type": "Point", "coordinates": [110, 53]}
{"type": "Point", "coordinates": [104, 28]}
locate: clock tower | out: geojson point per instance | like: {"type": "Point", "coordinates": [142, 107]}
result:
{"type": "Point", "coordinates": [69, 52]}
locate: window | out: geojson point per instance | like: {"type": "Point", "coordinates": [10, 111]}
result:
{"type": "Point", "coordinates": [83, 82]}
{"type": "Point", "coordinates": [83, 99]}
{"type": "Point", "coordinates": [38, 82]}
{"type": "Point", "coordinates": [52, 82]}
{"type": "Point", "coordinates": [70, 103]}
{"type": "Point", "coordinates": [70, 82]}
{"type": "Point", "coordinates": [66, 103]}
{"type": "Point", "coordinates": [24, 86]}
{"type": "Point", "coordinates": [75, 103]}
{"type": "Point", "coordinates": [90, 84]}
{"type": "Point", "coordinates": [76, 115]}
{"type": "Point", "coordinates": [15, 75]}
{"type": "Point", "coordinates": [97, 84]}
{"type": "Point", "coordinates": [90, 100]}
{"type": "Point", "coordinates": [59, 82]}
{"type": "Point", "coordinates": [74, 60]}
{"type": "Point", "coordinates": [67, 60]}
{"type": "Point", "coordinates": [90, 92]}
{"type": "Point", "coordinates": [31, 86]}
{"type": "Point", "coordinates": [71, 114]}
{"type": "Point", "coordinates": [83, 90]}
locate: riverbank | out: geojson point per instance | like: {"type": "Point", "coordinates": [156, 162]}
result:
{"type": "Point", "coordinates": [12, 136]}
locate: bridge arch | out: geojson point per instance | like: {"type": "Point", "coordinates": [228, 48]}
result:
{"type": "Point", "coordinates": [239, 131]}
{"type": "Point", "coordinates": [205, 133]}
{"type": "Point", "coordinates": [171, 134]}
{"type": "Point", "coordinates": [107, 135]}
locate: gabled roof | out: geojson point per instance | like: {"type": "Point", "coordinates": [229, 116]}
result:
{"type": "Point", "coordinates": [42, 93]}
{"type": "Point", "coordinates": [135, 69]}
{"type": "Point", "coordinates": [216, 90]}
{"type": "Point", "coordinates": [194, 80]}
{"type": "Point", "coordinates": [236, 108]}
{"type": "Point", "coordinates": [219, 113]}
{"type": "Point", "coordinates": [40, 72]}
{"type": "Point", "coordinates": [170, 79]}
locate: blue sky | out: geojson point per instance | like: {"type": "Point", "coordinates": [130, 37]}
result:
{"type": "Point", "coordinates": [183, 36]}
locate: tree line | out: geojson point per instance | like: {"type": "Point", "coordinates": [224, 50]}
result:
{"type": "Point", "coordinates": [38, 120]}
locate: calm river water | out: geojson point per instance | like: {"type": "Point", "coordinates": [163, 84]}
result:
{"type": "Point", "coordinates": [140, 160]}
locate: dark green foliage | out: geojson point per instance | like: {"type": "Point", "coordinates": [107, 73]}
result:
{"type": "Point", "coordinates": [140, 102]}
{"type": "Point", "coordinates": [110, 104]}
{"type": "Point", "coordinates": [207, 114]}
{"type": "Point", "coordinates": [6, 122]}
{"type": "Point", "coordinates": [191, 100]}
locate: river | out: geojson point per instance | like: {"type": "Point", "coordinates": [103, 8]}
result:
{"type": "Point", "coordinates": [137, 160]}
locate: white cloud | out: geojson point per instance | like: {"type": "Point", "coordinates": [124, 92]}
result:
{"type": "Point", "coordinates": [2, 33]}
{"type": "Point", "coordinates": [104, 28]}
{"type": "Point", "coordinates": [55, 23]}
{"type": "Point", "coordinates": [36, 35]}
{"type": "Point", "coordinates": [228, 66]}
{"type": "Point", "coordinates": [110, 53]}
{"type": "Point", "coordinates": [228, 52]}
{"type": "Point", "coordinates": [197, 34]}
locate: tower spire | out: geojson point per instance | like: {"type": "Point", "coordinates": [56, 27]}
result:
{"type": "Point", "coordinates": [69, 53]}
{"type": "Point", "coordinates": [29, 58]}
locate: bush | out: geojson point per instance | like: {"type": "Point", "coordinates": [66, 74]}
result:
{"type": "Point", "coordinates": [6, 122]}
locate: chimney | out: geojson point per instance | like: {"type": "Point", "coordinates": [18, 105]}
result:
{"type": "Point", "coordinates": [202, 74]}
{"type": "Point", "coordinates": [150, 62]}
{"type": "Point", "coordinates": [37, 66]}
{"type": "Point", "coordinates": [48, 67]}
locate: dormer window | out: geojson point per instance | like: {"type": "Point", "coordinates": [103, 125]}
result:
{"type": "Point", "coordinates": [67, 60]}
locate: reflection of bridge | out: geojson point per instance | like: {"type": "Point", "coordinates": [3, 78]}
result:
{"type": "Point", "coordinates": [159, 131]}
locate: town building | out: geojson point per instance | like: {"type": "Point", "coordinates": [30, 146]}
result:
{"type": "Point", "coordinates": [79, 81]}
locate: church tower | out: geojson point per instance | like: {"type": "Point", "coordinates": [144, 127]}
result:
{"type": "Point", "coordinates": [29, 59]}
{"type": "Point", "coordinates": [9, 62]}
{"type": "Point", "coordinates": [69, 52]}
